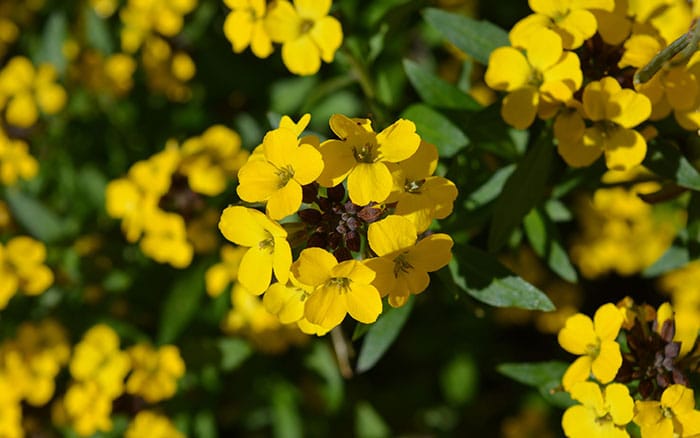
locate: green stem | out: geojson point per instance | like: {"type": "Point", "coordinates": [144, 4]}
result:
{"type": "Point", "coordinates": [686, 45]}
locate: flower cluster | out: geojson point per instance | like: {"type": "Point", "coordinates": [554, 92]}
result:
{"type": "Point", "coordinates": [619, 232]}
{"type": "Point", "coordinates": [15, 160]}
{"type": "Point", "coordinates": [22, 268]}
{"type": "Point", "coordinates": [110, 75]}
{"type": "Point", "coordinates": [645, 380]}
{"type": "Point", "coordinates": [564, 45]}
{"type": "Point", "coordinates": [356, 244]}
{"type": "Point", "coordinates": [161, 200]}
{"type": "Point", "coordinates": [25, 90]}
{"type": "Point", "coordinates": [304, 29]}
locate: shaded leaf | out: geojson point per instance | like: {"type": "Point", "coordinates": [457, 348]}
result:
{"type": "Point", "coordinates": [181, 304]}
{"type": "Point", "coordinates": [54, 35]}
{"type": "Point", "coordinates": [523, 190]}
{"type": "Point", "coordinates": [382, 335]}
{"type": "Point", "coordinates": [490, 189]}
{"type": "Point", "coordinates": [39, 221]}
{"type": "Point", "coordinates": [545, 376]}
{"type": "Point", "coordinates": [435, 128]}
{"type": "Point", "coordinates": [368, 422]}
{"type": "Point", "coordinates": [286, 420]}
{"type": "Point", "coordinates": [473, 37]}
{"type": "Point", "coordinates": [546, 242]}
{"type": "Point", "coordinates": [694, 226]}
{"type": "Point", "coordinates": [233, 353]}
{"type": "Point", "coordinates": [323, 362]}
{"type": "Point", "coordinates": [666, 160]}
{"type": "Point", "coordinates": [486, 279]}
{"type": "Point", "coordinates": [435, 91]}
{"type": "Point", "coordinates": [97, 32]}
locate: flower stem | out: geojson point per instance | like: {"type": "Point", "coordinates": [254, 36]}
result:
{"type": "Point", "coordinates": [686, 45]}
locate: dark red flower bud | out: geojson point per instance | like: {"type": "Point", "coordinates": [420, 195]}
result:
{"type": "Point", "coordinates": [336, 193]}
{"type": "Point", "coordinates": [310, 216]}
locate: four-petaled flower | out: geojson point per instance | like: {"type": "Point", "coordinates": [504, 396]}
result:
{"type": "Point", "coordinates": [674, 416]}
{"type": "Point", "coordinates": [245, 25]}
{"type": "Point", "coordinates": [601, 414]}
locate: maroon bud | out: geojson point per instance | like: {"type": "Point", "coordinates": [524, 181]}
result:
{"type": "Point", "coordinates": [351, 208]}
{"type": "Point", "coordinates": [672, 349]}
{"type": "Point", "coordinates": [309, 193]}
{"type": "Point", "coordinates": [352, 241]}
{"type": "Point", "coordinates": [334, 240]}
{"type": "Point", "coordinates": [369, 214]}
{"type": "Point", "coordinates": [336, 193]}
{"type": "Point", "coordinates": [668, 330]}
{"type": "Point", "coordinates": [342, 254]}
{"type": "Point", "coordinates": [662, 380]}
{"type": "Point", "coordinates": [679, 377]}
{"type": "Point", "coordinates": [646, 388]}
{"type": "Point", "coordinates": [341, 228]}
{"type": "Point", "coordinates": [310, 216]}
{"type": "Point", "coordinates": [324, 204]}
{"type": "Point", "coordinates": [353, 223]}
{"type": "Point", "coordinates": [316, 240]}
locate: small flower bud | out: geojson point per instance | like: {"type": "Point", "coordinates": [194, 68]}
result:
{"type": "Point", "coordinates": [316, 240]}
{"type": "Point", "coordinates": [309, 193]}
{"type": "Point", "coordinates": [341, 254]}
{"type": "Point", "coordinates": [352, 241]}
{"type": "Point", "coordinates": [336, 193]}
{"type": "Point", "coordinates": [334, 240]}
{"type": "Point", "coordinates": [310, 216]}
{"type": "Point", "coordinates": [369, 214]}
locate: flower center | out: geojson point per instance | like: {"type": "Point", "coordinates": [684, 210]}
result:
{"type": "Point", "coordinates": [536, 78]}
{"type": "Point", "coordinates": [285, 174]}
{"type": "Point", "coordinates": [305, 26]}
{"type": "Point", "coordinates": [365, 153]}
{"type": "Point", "coordinates": [592, 350]}
{"type": "Point", "coordinates": [606, 127]}
{"type": "Point", "coordinates": [341, 283]}
{"type": "Point", "coordinates": [666, 412]}
{"type": "Point", "coordinates": [413, 186]}
{"type": "Point", "coordinates": [401, 264]}
{"type": "Point", "coordinates": [267, 244]}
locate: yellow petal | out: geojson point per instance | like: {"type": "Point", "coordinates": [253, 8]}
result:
{"type": "Point", "coordinates": [589, 394]}
{"type": "Point", "coordinates": [681, 89]}
{"type": "Point", "coordinates": [398, 141]}
{"type": "Point", "coordinates": [416, 207]}
{"type": "Point", "coordinates": [392, 234]}
{"type": "Point", "coordinates": [326, 307]}
{"type": "Point", "coordinates": [328, 36]}
{"type": "Point", "coordinates": [608, 362]}
{"type": "Point", "coordinates": [307, 164]}
{"type": "Point", "coordinates": [345, 127]}
{"type": "Point", "coordinates": [301, 56]}
{"type": "Point", "coordinates": [508, 69]}
{"type": "Point", "coordinates": [354, 270]}
{"type": "Point", "coordinates": [338, 161]}
{"type": "Point", "coordinates": [577, 421]}
{"type": "Point", "coordinates": [575, 27]}
{"type": "Point", "coordinates": [617, 396]}
{"type": "Point", "coordinates": [238, 29]}
{"type": "Point", "coordinates": [281, 259]}
{"type": "Point", "coordinates": [607, 322]}
{"type": "Point", "coordinates": [679, 398]}
{"type": "Point", "coordinates": [282, 22]}
{"type": "Point", "coordinates": [284, 301]}
{"type": "Point", "coordinates": [312, 9]}
{"type": "Point", "coordinates": [519, 107]}
{"type": "Point", "coordinates": [625, 149]}
{"type": "Point", "coordinates": [383, 268]}
{"type": "Point", "coordinates": [369, 182]}
{"type": "Point", "coordinates": [255, 272]}
{"type": "Point", "coordinates": [648, 413]}
{"type": "Point", "coordinates": [242, 226]}
{"type": "Point", "coordinates": [443, 193]}
{"type": "Point", "coordinates": [543, 49]}
{"type": "Point", "coordinates": [628, 108]}
{"type": "Point", "coordinates": [422, 163]}
{"type": "Point", "coordinates": [577, 334]}
{"type": "Point", "coordinates": [216, 279]}
{"type": "Point", "coordinates": [432, 253]}
{"type": "Point", "coordinates": [566, 71]}
{"type": "Point", "coordinates": [523, 29]}
{"type": "Point", "coordinates": [260, 43]}
{"type": "Point", "coordinates": [364, 303]}
{"type": "Point", "coordinates": [22, 111]}
{"type": "Point", "coordinates": [596, 96]}
{"type": "Point", "coordinates": [284, 201]}
{"type": "Point", "coordinates": [412, 282]}
{"type": "Point", "coordinates": [315, 266]}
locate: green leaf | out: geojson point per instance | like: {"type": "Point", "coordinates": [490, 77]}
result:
{"type": "Point", "coordinates": [666, 160]}
{"type": "Point", "coordinates": [204, 425]}
{"type": "Point", "coordinates": [545, 376]}
{"type": "Point", "coordinates": [675, 257]}
{"type": "Point", "coordinates": [473, 37]}
{"type": "Point", "coordinates": [368, 423]}
{"type": "Point", "coordinates": [54, 35]}
{"type": "Point", "coordinates": [459, 379]}
{"type": "Point", "coordinates": [486, 279]}
{"type": "Point", "coordinates": [523, 191]}
{"type": "Point", "coordinates": [39, 221]}
{"type": "Point", "coordinates": [288, 95]}
{"type": "Point", "coordinates": [693, 226]}
{"type": "Point", "coordinates": [286, 420]}
{"type": "Point", "coordinates": [323, 362]}
{"type": "Point", "coordinates": [382, 334]}
{"type": "Point", "coordinates": [181, 304]}
{"type": "Point", "coordinates": [435, 128]}
{"type": "Point", "coordinates": [233, 353]}
{"type": "Point", "coordinates": [546, 242]}
{"type": "Point", "coordinates": [97, 32]}
{"type": "Point", "coordinates": [490, 189]}
{"type": "Point", "coordinates": [436, 92]}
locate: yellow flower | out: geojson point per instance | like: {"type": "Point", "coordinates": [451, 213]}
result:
{"type": "Point", "coordinates": [87, 408]}
{"type": "Point", "coordinates": [151, 425]}
{"type": "Point", "coordinates": [419, 196]}
{"type": "Point", "coordinates": [685, 323]}
{"type": "Point", "coordinates": [614, 111]}
{"type": "Point", "coordinates": [338, 289]}
{"type": "Point", "coordinates": [362, 155]}
{"type": "Point", "coordinates": [97, 359]}
{"type": "Point", "coordinates": [142, 18]}
{"type": "Point", "coordinates": [601, 414]}
{"type": "Point", "coordinates": [268, 249]}
{"type": "Point", "coordinates": [221, 275]}
{"type": "Point", "coordinates": [288, 164]}
{"type": "Point", "coordinates": [595, 342]}
{"type": "Point", "coordinates": [22, 267]}
{"type": "Point", "coordinates": [24, 90]}
{"type": "Point", "coordinates": [155, 372]}
{"type": "Point", "coordinates": [570, 19]}
{"type": "Point", "coordinates": [306, 32]}
{"type": "Point", "coordinates": [15, 161]}
{"type": "Point", "coordinates": [165, 239]}
{"type": "Point", "coordinates": [674, 416]}
{"type": "Point", "coordinates": [544, 75]}
{"type": "Point", "coordinates": [403, 265]}
{"type": "Point", "coordinates": [245, 26]}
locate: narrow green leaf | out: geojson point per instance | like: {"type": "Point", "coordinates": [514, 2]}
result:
{"type": "Point", "coordinates": [288, 95]}
{"type": "Point", "coordinates": [435, 128]}
{"type": "Point", "coordinates": [523, 190]}
{"type": "Point", "coordinates": [204, 425]}
{"type": "Point", "coordinates": [694, 226]}
{"type": "Point", "coordinates": [473, 37]}
{"type": "Point", "coordinates": [286, 420]}
{"type": "Point", "coordinates": [233, 353]}
{"type": "Point", "coordinates": [435, 91]}
{"type": "Point", "coordinates": [97, 32]}
{"type": "Point", "coordinates": [486, 279]}
{"type": "Point", "coordinates": [54, 35]}
{"type": "Point", "coordinates": [546, 242]}
{"type": "Point", "coordinates": [368, 422]}
{"type": "Point", "coordinates": [666, 160]}
{"type": "Point", "coordinates": [382, 335]}
{"type": "Point", "coordinates": [459, 380]}
{"type": "Point", "coordinates": [181, 304]}
{"type": "Point", "coordinates": [490, 189]}
{"type": "Point", "coordinates": [323, 362]}
{"type": "Point", "coordinates": [38, 220]}
{"type": "Point", "coordinates": [545, 376]}
{"type": "Point", "coordinates": [675, 257]}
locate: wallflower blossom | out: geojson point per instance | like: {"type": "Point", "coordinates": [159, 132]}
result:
{"type": "Point", "coordinates": [420, 196]}
{"type": "Point", "coordinates": [570, 19]}
{"type": "Point", "coordinates": [25, 90]}
{"type": "Point", "coordinates": [22, 268]}
{"type": "Point", "coordinates": [403, 265]}
{"type": "Point", "coordinates": [601, 414]}
{"type": "Point", "coordinates": [595, 342]}
{"type": "Point", "coordinates": [614, 112]}
{"type": "Point", "coordinates": [155, 372]}
{"type": "Point", "coordinates": [221, 275]}
{"type": "Point", "coordinates": [268, 249]}
{"type": "Point", "coordinates": [361, 156]}
{"type": "Point", "coordinates": [142, 18]}
{"type": "Point", "coordinates": [673, 416]}
{"type": "Point", "coordinates": [307, 33]}
{"type": "Point", "coordinates": [288, 164]}
{"type": "Point", "coordinates": [85, 408]}
{"type": "Point", "coordinates": [15, 161]}
{"type": "Point", "coordinates": [539, 78]}
{"type": "Point", "coordinates": [338, 289]}
{"type": "Point", "coordinates": [152, 425]}
{"type": "Point", "coordinates": [245, 25]}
